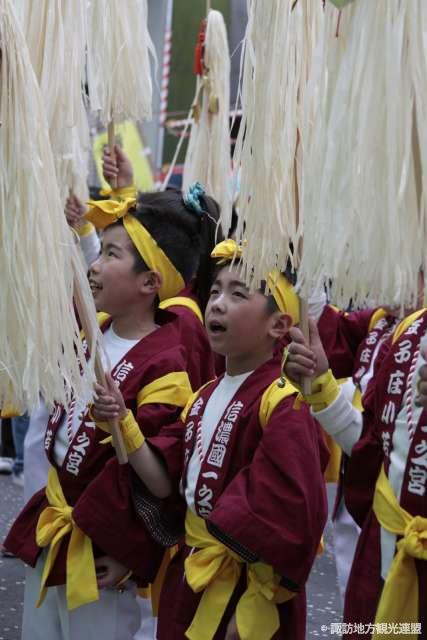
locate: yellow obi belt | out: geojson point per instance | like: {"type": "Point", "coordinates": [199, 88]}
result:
{"type": "Point", "coordinates": [399, 598]}
{"type": "Point", "coordinates": [215, 569]}
{"type": "Point", "coordinates": [55, 522]}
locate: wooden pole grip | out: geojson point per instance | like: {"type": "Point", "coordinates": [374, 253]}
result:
{"type": "Point", "coordinates": [303, 325]}
{"type": "Point", "coordinates": [116, 433]}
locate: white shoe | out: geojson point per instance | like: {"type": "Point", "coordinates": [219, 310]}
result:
{"type": "Point", "coordinates": [18, 478]}
{"type": "Point", "coordinates": [6, 466]}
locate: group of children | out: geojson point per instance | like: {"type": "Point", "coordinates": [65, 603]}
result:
{"type": "Point", "coordinates": [217, 517]}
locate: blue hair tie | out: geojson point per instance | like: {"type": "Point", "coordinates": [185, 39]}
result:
{"type": "Point", "coordinates": [191, 198]}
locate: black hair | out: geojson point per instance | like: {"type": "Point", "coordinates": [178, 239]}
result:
{"type": "Point", "coordinates": [186, 237]}
{"type": "Point", "coordinates": [271, 304]}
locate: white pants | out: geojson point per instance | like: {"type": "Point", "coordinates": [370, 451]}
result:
{"type": "Point", "coordinates": [148, 628]}
{"type": "Point", "coordinates": [346, 534]}
{"type": "Point", "coordinates": [115, 616]}
{"type": "Point", "coordinates": [36, 464]}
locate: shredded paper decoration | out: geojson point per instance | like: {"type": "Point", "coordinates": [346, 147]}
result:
{"type": "Point", "coordinates": [41, 350]}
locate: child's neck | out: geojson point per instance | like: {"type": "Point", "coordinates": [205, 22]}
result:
{"type": "Point", "coordinates": [134, 325]}
{"type": "Point", "coordinates": [237, 365]}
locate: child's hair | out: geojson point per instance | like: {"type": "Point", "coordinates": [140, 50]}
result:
{"type": "Point", "coordinates": [271, 304]}
{"type": "Point", "coordinates": [186, 237]}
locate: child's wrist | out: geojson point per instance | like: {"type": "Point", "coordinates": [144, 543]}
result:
{"type": "Point", "coordinates": [85, 228]}
{"type": "Point", "coordinates": [120, 193]}
{"type": "Point", "coordinates": [132, 435]}
{"type": "Point", "coordinates": [324, 391]}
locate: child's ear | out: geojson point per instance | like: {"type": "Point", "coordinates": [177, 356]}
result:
{"type": "Point", "coordinates": [150, 283]}
{"type": "Point", "coordinates": [279, 325]}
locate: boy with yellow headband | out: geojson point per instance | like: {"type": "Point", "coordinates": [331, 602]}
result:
{"type": "Point", "coordinates": [82, 535]}
{"type": "Point", "coordinates": [254, 516]}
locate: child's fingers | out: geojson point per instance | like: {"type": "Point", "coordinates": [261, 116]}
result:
{"type": "Point", "coordinates": [295, 349]}
{"type": "Point", "coordinates": [99, 389]}
{"type": "Point", "coordinates": [296, 371]}
{"type": "Point", "coordinates": [109, 167]}
{"type": "Point", "coordinates": [105, 401]}
{"type": "Point", "coordinates": [106, 414]}
{"type": "Point", "coordinates": [296, 335]}
{"type": "Point", "coordinates": [120, 155]}
{"type": "Point", "coordinates": [422, 373]}
{"type": "Point", "coordinates": [308, 363]}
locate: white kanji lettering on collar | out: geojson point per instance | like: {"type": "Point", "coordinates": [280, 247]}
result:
{"type": "Point", "coordinates": [395, 382]}
{"type": "Point", "coordinates": [389, 412]}
{"type": "Point", "coordinates": [404, 353]}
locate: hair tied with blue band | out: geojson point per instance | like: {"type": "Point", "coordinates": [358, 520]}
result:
{"type": "Point", "coordinates": [191, 198]}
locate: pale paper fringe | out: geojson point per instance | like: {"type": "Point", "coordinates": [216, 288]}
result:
{"type": "Point", "coordinates": [277, 52]}
{"type": "Point", "coordinates": [364, 224]}
{"type": "Point", "coordinates": [40, 350]}
{"type": "Point", "coordinates": [208, 155]}
{"type": "Point", "coordinates": [56, 37]}
{"type": "Point", "coordinates": [119, 49]}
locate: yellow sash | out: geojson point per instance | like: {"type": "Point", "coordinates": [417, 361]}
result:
{"type": "Point", "coordinates": [399, 599]}
{"type": "Point", "coordinates": [54, 523]}
{"type": "Point", "coordinates": [215, 569]}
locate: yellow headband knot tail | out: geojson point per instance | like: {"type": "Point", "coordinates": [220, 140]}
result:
{"type": "Point", "coordinates": [280, 287]}
{"type": "Point", "coordinates": [226, 251]}
{"type": "Point", "coordinates": [103, 213]}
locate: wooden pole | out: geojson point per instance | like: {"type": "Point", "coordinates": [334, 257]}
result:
{"type": "Point", "coordinates": [303, 305]}
{"type": "Point", "coordinates": [303, 325]}
{"type": "Point", "coordinates": [111, 141]}
{"type": "Point", "coordinates": [118, 443]}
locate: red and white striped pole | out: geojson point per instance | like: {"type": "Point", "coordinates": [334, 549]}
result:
{"type": "Point", "coordinates": [164, 85]}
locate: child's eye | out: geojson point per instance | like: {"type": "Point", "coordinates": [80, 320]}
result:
{"type": "Point", "coordinates": [111, 253]}
{"type": "Point", "coordinates": [239, 294]}
{"type": "Point", "coordinates": [213, 292]}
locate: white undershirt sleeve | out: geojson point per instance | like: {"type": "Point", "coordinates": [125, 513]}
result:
{"type": "Point", "coordinates": [342, 421]}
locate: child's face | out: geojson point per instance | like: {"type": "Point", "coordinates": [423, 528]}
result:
{"type": "Point", "coordinates": [114, 283]}
{"type": "Point", "coordinates": [239, 322]}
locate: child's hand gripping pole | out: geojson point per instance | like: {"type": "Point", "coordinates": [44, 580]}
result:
{"type": "Point", "coordinates": [100, 375]}
{"type": "Point", "coordinates": [114, 425]}
{"type": "Point", "coordinates": [305, 359]}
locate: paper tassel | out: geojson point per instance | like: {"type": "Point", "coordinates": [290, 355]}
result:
{"type": "Point", "coordinates": [277, 52]}
{"type": "Point", "coordinates": [119, 52]}
{"type": "Point", "coordinates": [208, 155]}
{"type": "Point", "coordinates": [40, 350]}
{"type": "Point", "coordinates": [56, 35]}
{"type": "Point", "coordinates": [364, 147]}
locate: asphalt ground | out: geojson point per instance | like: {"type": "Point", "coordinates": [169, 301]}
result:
{"type": "Point", "coordinates": [323, 600]}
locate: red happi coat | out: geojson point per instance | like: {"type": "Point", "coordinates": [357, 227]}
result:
{"type": "Point", "coordinates": [98, 488]}
{"type": "Point", "coordinates": [369, 355]}
{"type": "Point", "coordinates": [382, 404]}
{"type": "Point", "coordinates": [201, 365]}
{"type": "Point", "coordinates": [261, 492]}
{"type": "Point", "coordinates": [342, 334]}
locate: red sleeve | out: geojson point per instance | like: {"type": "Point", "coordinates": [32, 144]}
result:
{"type": "Point", "coordinates": [275, 509]}
{"type": "Point", "coordinates": [341, 335]}
{"type": "Point", "coordinates": [168, 445]}
{"type": "Point", "coordinates": [364, 465]}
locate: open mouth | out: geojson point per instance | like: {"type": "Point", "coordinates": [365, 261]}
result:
{"type": "Point", "coordinates": [216, 327]}
{"type": "Point", "coordinates": [94, 286]}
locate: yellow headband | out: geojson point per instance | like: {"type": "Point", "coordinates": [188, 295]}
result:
{"type": "Point", "coordinates": [103, 213]}
{"type": "Point", "coordinates": [280, 287]}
